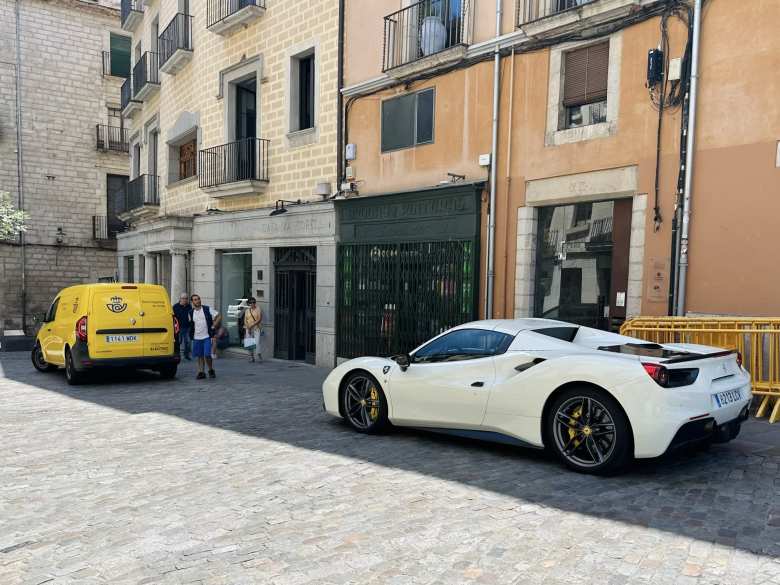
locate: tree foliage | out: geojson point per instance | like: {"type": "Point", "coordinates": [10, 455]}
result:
{"type": "Point", "coordinates": [12, 220]}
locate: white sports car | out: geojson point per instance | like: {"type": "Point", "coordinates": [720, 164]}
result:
{"type": "Point", "coordinates": [594, 398]}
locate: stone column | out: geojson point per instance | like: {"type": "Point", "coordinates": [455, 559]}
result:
{"type": "Point", "coordinates": [178, 274]}
{"type": "Point", "coordinates": [150, 268]}
{"type": "Point", "coordinates": [121, 264]}
{"type": "Point", "coordinates": [138, 268]}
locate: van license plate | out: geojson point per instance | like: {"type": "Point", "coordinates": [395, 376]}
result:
{"type": "Point", "coordinates": [121, 338]}
{"type": "Point", "coordinates": [728, 397]}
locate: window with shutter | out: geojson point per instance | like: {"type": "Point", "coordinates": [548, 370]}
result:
{"type": "Point", "coordinates": [188, 159]}
{"type": "Point", "coordinates": [585, 85]}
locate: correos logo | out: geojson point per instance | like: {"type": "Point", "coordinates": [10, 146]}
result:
{"type": "Point", "coordinates": [116, 305]}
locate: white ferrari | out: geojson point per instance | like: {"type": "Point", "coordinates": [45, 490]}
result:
{"type": "Point", "coordinates": [596, 399]}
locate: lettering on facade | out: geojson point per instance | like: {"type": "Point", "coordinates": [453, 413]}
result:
{"type": "Point", "coordinates": [409, 209]}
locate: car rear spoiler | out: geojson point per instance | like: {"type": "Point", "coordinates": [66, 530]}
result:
{"type": "Point", "coordinates": [699, 356]}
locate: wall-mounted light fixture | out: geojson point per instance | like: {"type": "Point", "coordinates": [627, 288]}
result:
{"type": "Point", "coordinates": [59, 237]}
{"type": "Point", "coordinates": [279, 207]}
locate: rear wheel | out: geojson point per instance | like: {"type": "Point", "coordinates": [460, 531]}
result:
{"type": "Point", "coordinates": [39, 361]}
{"type": "Point", "coordinates": [363, 403]}
{"type": "Point", "coordinates": [588, 431]}
{"type": "Point", "coordinates": [168, 372]}
{"type": "Point", "coordinates": [71, 375]}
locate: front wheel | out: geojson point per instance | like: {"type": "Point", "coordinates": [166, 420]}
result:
{"type": "Point", "coordinates": [588, 431]}
{"type": "Point", "coordinates": [39, 361]}
{"type": "Point", "coordinates": [363, 403]}
{"type": "Point", "coordinates": [71, 375]}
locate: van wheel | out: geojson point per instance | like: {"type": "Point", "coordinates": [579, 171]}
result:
{"type": "Point", "coordinates": [39, 362]}
{"type": "Point", "coordinates": [71, 375]}
{"type": "Point", "coordinates": [168, 372]}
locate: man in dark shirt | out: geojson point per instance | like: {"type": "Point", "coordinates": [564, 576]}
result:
{"type": "Point", "coordinates": [181, 311]}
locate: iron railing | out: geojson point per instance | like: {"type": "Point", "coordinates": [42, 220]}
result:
{"type": "Point", "coordinates": [141, 191]}
{"type": "Point", "coordinates": [219, 10]}
{"type": "Point", "coordinates": [146, 70]}
{"type": "Point", "coordinates": [127, 8]}
{"type": "Point", "coordinates": [177, 35]}
{"type": "Point", "coordinates": [126, 92]}
{"type": "Point", "coordinates": [242, 160]}
{"type": "Point", "coordinates": [424, 29]}
{"type": "Point", "coordinates": [108, 71]}
{"type": "Point", "coordinates": [530, 10]}
{"type": "Point", "coordinates": [104, 228]}
{"type": "Point", "coordinates": [111, 138]}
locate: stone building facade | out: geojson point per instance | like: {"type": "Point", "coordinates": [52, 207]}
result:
{"type": "Point", "coordinates": [69, 178]}
{"type": "Point", "coordinates": [233, 148]}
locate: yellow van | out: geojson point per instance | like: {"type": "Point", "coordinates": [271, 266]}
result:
{"type": "Point", "coordinates": [93, 326]}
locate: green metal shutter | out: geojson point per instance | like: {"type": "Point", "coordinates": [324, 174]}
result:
{"type": "Point", "coordinates": [120, 56]}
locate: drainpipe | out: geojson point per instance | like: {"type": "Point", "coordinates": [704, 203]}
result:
{"type": "Point", "coordinates": [340, 102]}
{"type": "Point", "coordinates": [682, 262]}
{"type": "Point", "coordinates": [19, 165]}
{"type": "Point", "coordinates": [491, 251]}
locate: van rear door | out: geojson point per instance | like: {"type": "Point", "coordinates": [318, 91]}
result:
{"type": "Point", "coordinates": [158, 322]}
{"type": "Point", "coordinates": [115, 324]}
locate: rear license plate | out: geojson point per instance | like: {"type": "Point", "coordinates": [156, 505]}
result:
{"type": "Point", "coordinates": [728, 397]}
{"type": "Point", "coordinates": [121, 338]}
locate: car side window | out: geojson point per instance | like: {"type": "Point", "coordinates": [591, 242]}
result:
{"type": "Point", "coordinates": [464, 344]}
{"type": "Point", "coordinates": [51, 314]}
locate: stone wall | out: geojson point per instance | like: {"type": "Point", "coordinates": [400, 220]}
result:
{"type": "Point", "coordinates": [64, 96]}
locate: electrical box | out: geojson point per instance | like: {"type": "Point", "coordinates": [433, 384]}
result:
{"type": "Point", "coordinates": [350, 151]}
{"type": "Point", "coordinates": [675, 69]}
{"type": "Point", "coordinates": [484, 160]}
{"type": "Point", "coordinates": [655, 67]}
{"type": "Point", "coordinates": [349, 173]}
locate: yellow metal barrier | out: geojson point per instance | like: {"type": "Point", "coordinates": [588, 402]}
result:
{"type": "Point", "coordinates": [757, 339]}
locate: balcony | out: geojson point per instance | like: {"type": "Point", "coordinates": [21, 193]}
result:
{"type": "Point", "coordinates": [176, 44]}
{"type": "Point", "coordinates": [224, 17]}
{"type": "Point", "coordinates": [142, 199]}
{"type": "Point", "coordinates": [146, 76]}
{"type": "Point", "coordinates": [131, 14]}
{"type": "Point", "coordinates": [114, 69]}
{"type": "Point", "coordinates": [129, 105]}
{"type": "Point", "coordinates": [104, 230]}
{"type": "Point", "coordinates": [235, 168]}
{"type": "Point", "coordinates": [546, 19]}
{"type": "Point", "coordinates": [111, 139]}
{"type": "Point", "coordinates": [426, 35]}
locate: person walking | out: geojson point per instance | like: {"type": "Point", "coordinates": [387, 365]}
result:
{"type": "Point", "coordinates": [253, 325]}
{"type": "Point", "coordinates": [203, 322]}
{"type": "Point", "coordinates": [181, 311]}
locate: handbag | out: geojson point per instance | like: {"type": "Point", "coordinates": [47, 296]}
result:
{"type": "Point", "coordinates": [249, 342]}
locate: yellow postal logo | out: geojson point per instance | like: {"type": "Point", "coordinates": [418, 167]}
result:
{"type": "Point", "coordinates": [116, 305]}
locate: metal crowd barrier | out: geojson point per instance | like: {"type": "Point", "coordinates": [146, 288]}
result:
{"type": "Point", "coordinates": [757, 339]}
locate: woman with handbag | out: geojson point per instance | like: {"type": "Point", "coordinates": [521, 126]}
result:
{"type": "Point", "coordinates": [253, 325]}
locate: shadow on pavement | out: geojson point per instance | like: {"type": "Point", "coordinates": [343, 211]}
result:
{"type": "Point", "coordinates": [728, 495]}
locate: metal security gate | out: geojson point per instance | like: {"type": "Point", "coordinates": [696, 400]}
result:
{"type": "Point", "coordinates": [393, 297]}
{"type": "Point", "coordinates": [295, 303]}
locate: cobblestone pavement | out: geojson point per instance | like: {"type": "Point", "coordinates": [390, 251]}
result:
{"type": "Point", "coordinates": [243, 480]}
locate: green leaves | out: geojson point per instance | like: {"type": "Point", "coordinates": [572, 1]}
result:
{"type": "Point", "coordinates": [11, 219]}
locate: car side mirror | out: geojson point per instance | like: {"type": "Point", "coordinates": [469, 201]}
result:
{"type": "Point", "coordinates": [403, 360]}
{"type": "Point", "coordinates": [39, 317]}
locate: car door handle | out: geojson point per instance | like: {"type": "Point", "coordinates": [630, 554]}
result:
{"type": "Point", "coordinates": [477, 384]}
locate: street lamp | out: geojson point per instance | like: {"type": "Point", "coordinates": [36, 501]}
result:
{"type": "Point", "coordinates": [279, 207]}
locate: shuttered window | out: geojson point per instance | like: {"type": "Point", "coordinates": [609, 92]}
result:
{"type": "Point", "coordinates": [585, 75]}
{"type": "Point", "coordinates": [120, 55]}
{"type": "Point", "coordinates": [188, 159]}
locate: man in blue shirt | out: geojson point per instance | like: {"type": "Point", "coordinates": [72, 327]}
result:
{"type": "Point", "coordinates": [181, 311]}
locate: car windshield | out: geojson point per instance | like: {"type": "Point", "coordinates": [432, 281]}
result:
{"type": "Point", "coordinates": [464, 344]}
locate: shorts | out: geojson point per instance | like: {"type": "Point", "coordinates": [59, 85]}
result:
{"type": "Point", "coordinates": [201, 348]}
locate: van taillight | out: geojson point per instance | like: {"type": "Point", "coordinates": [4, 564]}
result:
{"type": "Point", "coordinates": [81, 329]}
{"type": "Point", "coordinates": [175, 326]}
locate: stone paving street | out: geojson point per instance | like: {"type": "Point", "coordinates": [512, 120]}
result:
{"type": "Point", "coordinates": [244, 480]}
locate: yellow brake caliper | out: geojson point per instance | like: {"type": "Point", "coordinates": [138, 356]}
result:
{"type": "Point", "coordinates": [374, 413]}
{"type": "Point", "coordinates": [573, 430]}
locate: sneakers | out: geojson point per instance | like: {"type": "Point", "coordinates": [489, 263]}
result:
{"type": "Point", "coordinates": [212, 374]}
{"type": "Point", "coordinates": [200, 376]}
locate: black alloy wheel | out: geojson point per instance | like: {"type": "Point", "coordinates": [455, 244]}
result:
{"type": "Point", "coordinates": [38, 360]}
{"type": "Point", "coordinates": [363, 403]}
{"type": "Point", "coordinates": [588, 431]}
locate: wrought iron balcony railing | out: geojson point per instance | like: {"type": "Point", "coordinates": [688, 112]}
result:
{"type": "Point", "coordinates": [242, 160]}
{"type": "Point", "coordinates": [141, 191]}
{"type": "Point", "coordinates": [129, 11]}
{"type": "Point", "coordinates": [423, 29]}
{"type": "Point", "coordinates": [146, 73]}
{"type": "Point", "coordinates": [218, 11]}
{"type": "Point", "coordinates": [111, 138]}
{"type": "Point", "coordinates": [104, 228]}
{"type": "Point", "coordinates": [126, 92]}
{"type": "Point", "coordinates": [531, 10]}
{"type": "Point", "coordinates": [176, 36]}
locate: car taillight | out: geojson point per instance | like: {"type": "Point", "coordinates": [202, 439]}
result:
{"type": "Point", "coordinates": [81, 329]}
{"type": "Point", "coordinates": [175, 326]}
{"type": "Point", "coordinates": [658, 373]}
{"type": "Point", "coordinates": [739, 359]}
